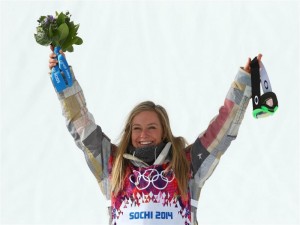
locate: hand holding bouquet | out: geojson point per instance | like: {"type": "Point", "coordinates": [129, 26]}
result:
{"type": "Point", "coordinates": [61, 33]}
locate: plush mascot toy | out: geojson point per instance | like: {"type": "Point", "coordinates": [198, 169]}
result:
{"type": "Point", "coordinates": [266, 104]}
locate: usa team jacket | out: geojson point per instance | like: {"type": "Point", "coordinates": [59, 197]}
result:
{"type": "Point", "coordinates": [150, 195]}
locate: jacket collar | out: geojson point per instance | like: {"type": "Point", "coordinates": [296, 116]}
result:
{"type": "Point", "coordinates": [162, 157]}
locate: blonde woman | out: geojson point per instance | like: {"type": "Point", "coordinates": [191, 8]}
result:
{"type": "Point", "coordinates": [151, 176]}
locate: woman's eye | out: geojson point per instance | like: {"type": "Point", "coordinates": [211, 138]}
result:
{"type": "Point", "coordinates": [152, 128]}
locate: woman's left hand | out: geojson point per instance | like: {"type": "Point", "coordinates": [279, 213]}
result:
{"type": "Point", "coordinates": [247, 65]}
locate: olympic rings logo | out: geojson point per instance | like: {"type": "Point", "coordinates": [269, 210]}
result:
{"type": "Point", "coordinates": [151, 176]}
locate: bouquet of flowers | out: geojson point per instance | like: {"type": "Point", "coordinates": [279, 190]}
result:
{"type": "Point", "coordinates": [58, 31]}
{"type": "Point", "coordinates": [61, 33]}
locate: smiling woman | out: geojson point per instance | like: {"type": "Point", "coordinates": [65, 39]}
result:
{"type": "Point", "coordinates": [182, 55]}
{"type": "Point", "coordinates": [151, 176]}
{"type": "Point", "coordinates": [149, 130]}
{"type": "Point", "coordinates": [146, 130]}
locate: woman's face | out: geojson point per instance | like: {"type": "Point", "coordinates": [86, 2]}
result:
{"type": "Point", "coordinates": [146, 129]}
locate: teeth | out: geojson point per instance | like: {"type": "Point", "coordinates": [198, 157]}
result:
{"type": "Point", "coordinates": [145, 142]}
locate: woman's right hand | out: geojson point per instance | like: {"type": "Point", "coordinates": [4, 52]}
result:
{"type": "Point", "coordinates": [53, 61]}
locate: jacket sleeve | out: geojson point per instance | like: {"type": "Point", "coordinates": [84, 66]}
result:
{"type": "Point", "coordinates": [222, 130]}
{"type": "Point", "coordinates": [87, 135]}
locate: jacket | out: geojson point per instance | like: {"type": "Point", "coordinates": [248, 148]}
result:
{"type": "Point", "coordinates": [149, 195]}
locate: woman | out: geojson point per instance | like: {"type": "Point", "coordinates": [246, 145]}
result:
{"type": "Point", "coordinates": [151, 176]}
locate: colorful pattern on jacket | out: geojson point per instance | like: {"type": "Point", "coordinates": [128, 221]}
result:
{"type": "Point", "coordinates": [204, 155]}
{"type": "Point", "coordinates": [150, 196]}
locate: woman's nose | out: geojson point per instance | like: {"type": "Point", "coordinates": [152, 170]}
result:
{"type": "Point", "coordinates": [144, 133]}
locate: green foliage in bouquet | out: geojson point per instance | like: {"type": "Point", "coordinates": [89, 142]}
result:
{"type": "Point", "coordinates": [58, 31]}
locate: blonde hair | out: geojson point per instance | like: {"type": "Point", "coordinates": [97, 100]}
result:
{"type": "Point", "coordinates": [178, 163]}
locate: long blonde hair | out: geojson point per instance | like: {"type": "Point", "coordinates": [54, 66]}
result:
{"type": "Point", "coordinates": [179, 163]}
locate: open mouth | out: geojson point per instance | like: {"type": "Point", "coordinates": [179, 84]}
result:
{"type": "Point", "coordinates": [146, 143]}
